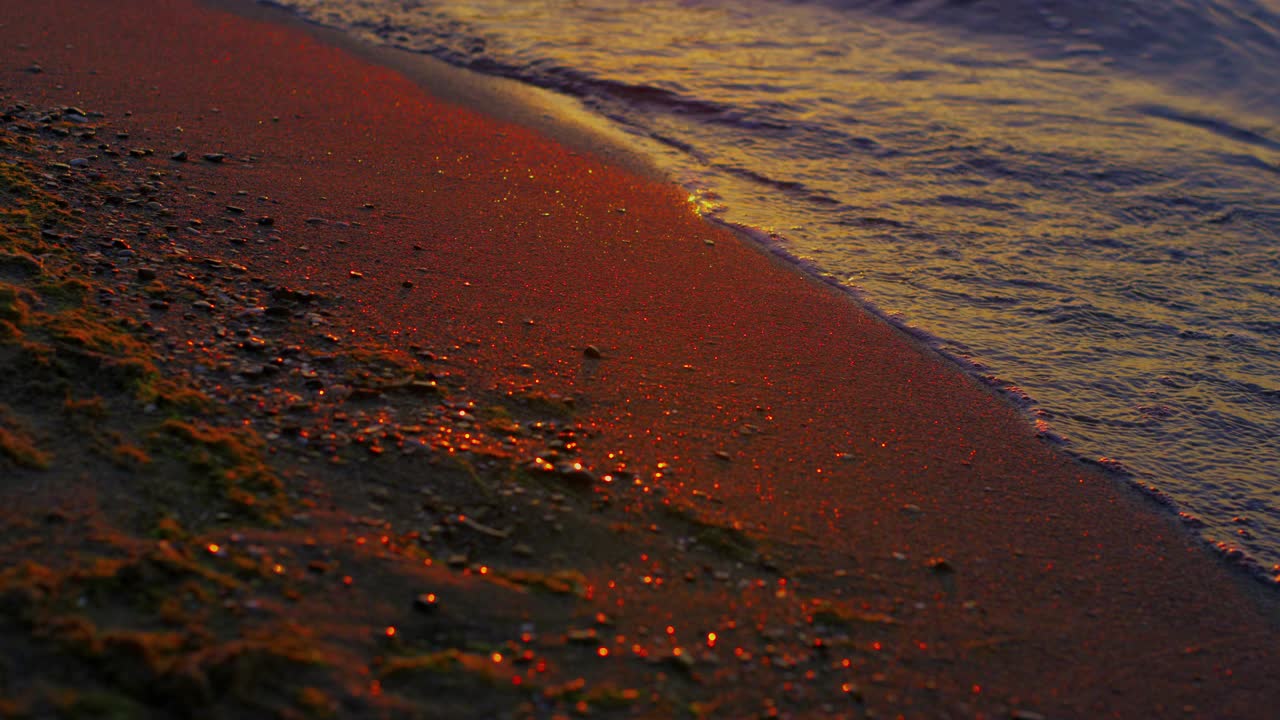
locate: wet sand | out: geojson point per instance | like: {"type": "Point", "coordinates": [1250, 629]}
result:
{"type": "Point", "coordinates": [872, 474]}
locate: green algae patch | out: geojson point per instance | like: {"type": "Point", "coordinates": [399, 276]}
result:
{"type": "Point", "coordinates": [225, 463]}
{"type": "Point", "coordinates": [19, 264]}
{"type": "Point", "coordinates": [129, 457]}
{"type": "Point", "coordinates": [724, 539]}
{"type": "Point", "coordinates": [15, 304]}
{"type": "Point", "coordinates": [94, 704]}
{"type": "Point", "coordinates": [17, 445]}
{"type": "Point", "coordinates": [445, 662]}
{"type": "Point", "coordinates": [174, 396]}
{"type": "Point", "coordinates": [541, 403]}
{"type": "Point", "coordinates": [81, 332]}
{"type": "Point", "coordinates": [55, 345]}
{"type": "Point", "coordinates": [22, 450]}
{"type": "Point", "coordinates": [63, 293]}
{"type": "Point", "coordinates": [317, 703]}
{"type": "Point", "coordinates": [153, 628]}
{"type": "Point", "coordinates": [90, 409]}
{"type": "Point", "coordinates": [27, 207]}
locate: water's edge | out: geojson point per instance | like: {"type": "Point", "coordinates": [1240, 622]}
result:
{"type": "Point", "coordinates": [566, 119]}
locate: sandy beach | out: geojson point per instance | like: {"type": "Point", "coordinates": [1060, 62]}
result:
{"type": "Point", "coordinates": [642, 466]}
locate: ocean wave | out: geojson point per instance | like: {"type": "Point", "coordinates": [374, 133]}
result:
{"type": "Point", "coordinates": [1236, 42]}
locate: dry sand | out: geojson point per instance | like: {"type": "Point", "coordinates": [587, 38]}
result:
{"type": "Point", "coordinates": [985, 572]}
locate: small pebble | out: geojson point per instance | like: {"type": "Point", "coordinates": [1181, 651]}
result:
{"type": "Point", "coordinates": [426, 602]}
{"type": "Point", "coordinates": [940, 565]}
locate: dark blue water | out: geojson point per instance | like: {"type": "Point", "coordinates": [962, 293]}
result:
{"type": "Point", "coordinates": [1078, 200]}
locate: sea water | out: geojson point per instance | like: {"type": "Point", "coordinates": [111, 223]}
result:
{"type": "Point", "coordinates": [1080, 201]}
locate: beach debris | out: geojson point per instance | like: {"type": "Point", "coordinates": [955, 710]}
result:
{"type": "Point", "coordinates": [482, 528]}
{"type": "Point", "coordinates": [180, 156]}
{"type": "Point", "coordinates": [677, 659]}
{"type": "Point", "coordinates": [356, 275]}
{"type": "Point", "coordinates": [722, 455]}
{"type": "Point", "coordinates": [940, 565]}
{"type": "Point", "coordinates": [592, 352]}
{"type": "Point", "coordinates": [426, 603]}
{"type": "Point", "coordinates": [912, 509]}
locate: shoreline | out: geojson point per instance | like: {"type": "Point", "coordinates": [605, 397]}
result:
{"type": "Point", "coordinates": [740, 395]}
{"type": "Point", "coordinates": [561, 118]}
